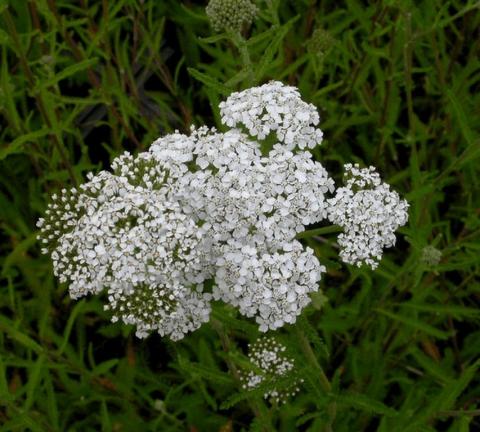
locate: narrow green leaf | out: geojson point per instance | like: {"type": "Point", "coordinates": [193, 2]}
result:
{"type": "Point", "coordinates": [206, 372]}
{"type": "Point", "coordinates": [462, 119]}
{"type": "Point", "coordinates": [21, 421]}
{"type": "Point", "coordinates": [8, 327]}
{"type": "Point", "coordinates": [34, 377]}
{"type": "Point", "coordinates": [105, 417]}
{"type": "Point", "coordinates": [3, 5]}
{"type": "Point", "coordinates": [209, 81]}
{"type": "Point", "coordinates": [273, 49]}
{"type": "Point", "coordinates": [77, 309]}
{"type": "Point", "coordinates": [52, 404]}
{"type": "Point", "coordinates": [448, 396]}
{"type": "Point", "coordinates": [453, 310]}
{"type": "Point", "coordinates": [365, 403]}
{"type": "Point", "coordinates": [67, 72]}
{"type": "Point", "coordinates": [16, 146]}
{"type": "Point", "coordinates": [236, 398]}
{"type": "Point", "coordinates": [431, 367]}
{"type": "Point", "coordinates": [416, 324]}
{"type": "Point", "coordinates": [266, 35]}
{"type": "Point", "coordinates": [214, 38]}
{"type": "Point", "coordinates": [104, 367]}
{"type": "Point", "coordinates": [305, 418]}
{"type": "Point", "coordinates": [4, 38]}
{"type": "Point", "coordinates": [18, 253]}
{"type": "Point", "coordinates": [4, 392]}
{"type": "Point", "coordinates": [463, 424]}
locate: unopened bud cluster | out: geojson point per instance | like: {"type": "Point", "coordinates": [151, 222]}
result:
{"type": "Point", "coordinates": [230, 14]}
{"type": "Point", "coordinates": [207, 216]}
{"type": "Point", "coordinates": [431, 256]}
{"type": "Point", "coordinates": [320, 42]}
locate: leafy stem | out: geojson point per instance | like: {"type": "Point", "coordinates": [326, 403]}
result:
{"type": "Point", "coordinates": [241, 44]}
{"type": "Point", "coordinates": [320, 374]}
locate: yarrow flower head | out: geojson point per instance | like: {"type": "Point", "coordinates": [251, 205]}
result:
{"type": "Point", "coordinates": [127, 233]}
{"type": "Point", "coordinates": [369, 212]}
{"type": "Point", "coordinates": [208, 216]}
{"type": "Point", "coordinates": [252, 208]}
{"type": "Point", "coordinates": [277, 108]}
{"type": "Point", "coordinates": [230, 14]}
{"type": "Point", "coordinates": [272, 287]}
{"type": "Point", "coordinates": [272, 362]}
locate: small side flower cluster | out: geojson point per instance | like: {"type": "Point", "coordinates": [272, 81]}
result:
{"type": "Point", "coordinates": [274, 107]}
{"type": "Point", "coordinates": [230, 14]}
{"type": "Point", "coordinates": [210, 210]}
{"type": "Point", "coordinates": [369, 212]}
{"type": "Point", "coordinates": [272, 362]}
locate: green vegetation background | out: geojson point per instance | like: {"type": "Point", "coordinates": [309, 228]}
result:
{"type": "Point", "coordinates": [397, 84]}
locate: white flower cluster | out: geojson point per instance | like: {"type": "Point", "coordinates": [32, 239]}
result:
{"type": "Point", "coordinates": [251, 208]}
{"type": "Point", "coordinates": [272, 362]}
{"type": "Point", "coordinates": [369, 212]}
{"type": "Point", "coordinates": [207, 216]}
{"type": "Point", "coordinates": [127, 233]}
{"type": "Point", "coordinates": [274, 107]}
{"type": "Point", "coordinates": [273, 287]}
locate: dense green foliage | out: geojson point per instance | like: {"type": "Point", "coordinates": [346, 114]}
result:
{"type": "Point", "coordinates": [397, 84]}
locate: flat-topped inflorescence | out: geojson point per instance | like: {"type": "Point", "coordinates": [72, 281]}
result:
{"type": "Point", "coordinates": [209, 209]}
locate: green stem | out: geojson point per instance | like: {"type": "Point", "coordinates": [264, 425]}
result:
{"type": "Point", "coordinates": [242, 47]}
{"type": "Point", "coordinates": [322, 378]}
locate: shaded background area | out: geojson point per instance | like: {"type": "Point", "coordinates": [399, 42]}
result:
{"type": "Point", "coordinates": [397, 84]}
